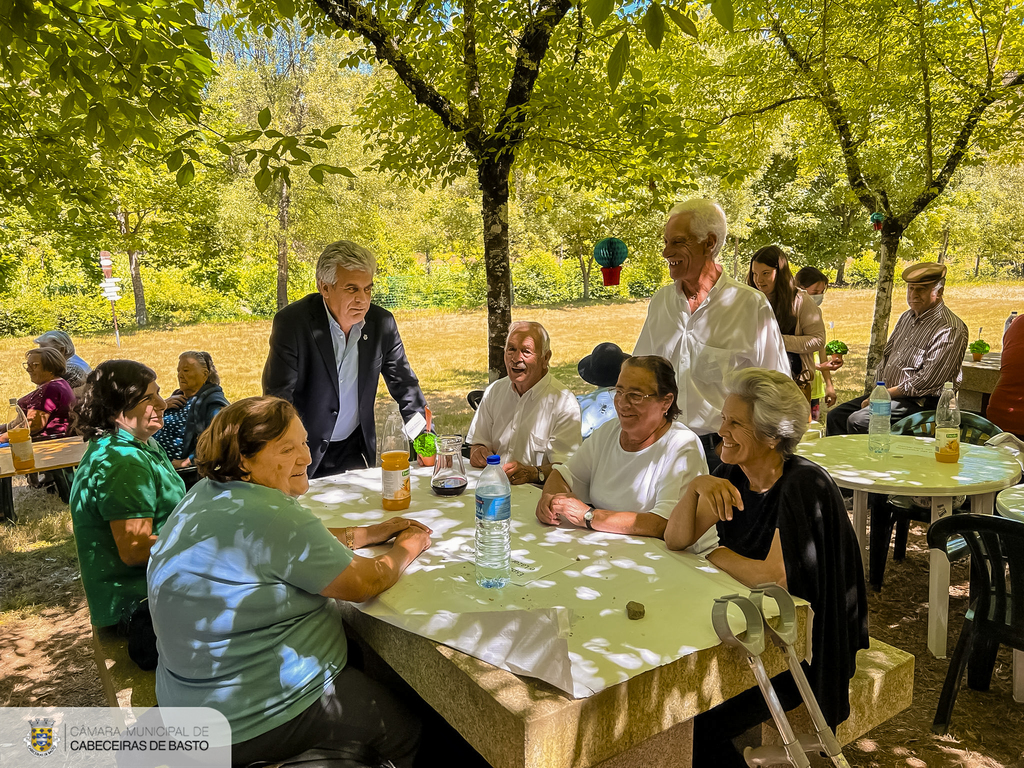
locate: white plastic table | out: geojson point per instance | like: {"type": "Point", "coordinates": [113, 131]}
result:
{"type": "Point", "coordinates": [619, 692]}
{"type": "Point", "coordinates": [910, 469]}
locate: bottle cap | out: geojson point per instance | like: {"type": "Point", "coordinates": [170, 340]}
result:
{"type": "Point", "coordinates": [495, 460]}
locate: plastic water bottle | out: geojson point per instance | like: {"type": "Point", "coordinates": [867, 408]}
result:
{"type": "Point", "coordinates": [1009, 321]}
{"type": "Point", "coordinates": [947, 426]}
{"type": "Point", "coordinates": [493, 526]}
{"type": "Point", "coordinates": [20, 437]}
{"type": "Point", "coordinates": [880, 422]}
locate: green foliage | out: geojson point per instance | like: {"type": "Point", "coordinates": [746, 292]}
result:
{"type": "Point", "coordinates": [540, 279]}
{"type": "Point", "coordinates": [863, 271]}
{"type": "Point", "coordinates": [836, 347]}
{"type": "Point", "coordinates": [979, 347]}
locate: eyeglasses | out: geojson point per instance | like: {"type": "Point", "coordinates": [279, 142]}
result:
{"type": "Point", "coordinates": [31, 366]}
{"type": "Point", "coordinates": [633, 397]}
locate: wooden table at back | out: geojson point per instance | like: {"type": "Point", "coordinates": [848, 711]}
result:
{"type": "Point", "coordinates": [49, 455]}
{"type": "Point", "coordinates": [910, 469]}
{"type": "Point", "coordinates": [980, 378]}
{"type": "Point", "coordinates": [637, 684]}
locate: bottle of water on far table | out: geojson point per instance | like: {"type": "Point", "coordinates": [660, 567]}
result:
{"type": "Point", "coordinates": [947, 426]}
{"type": "Point", "coordinates": [493, 526]}
{"type": "Point", "coordinates": [880, 421]}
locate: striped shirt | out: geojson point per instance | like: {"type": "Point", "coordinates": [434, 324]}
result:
{"type": "Point", "coordinates": [924, 352]}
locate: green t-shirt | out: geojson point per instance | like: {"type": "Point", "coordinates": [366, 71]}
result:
{"type": "Point", "coordinates": [119, 478]}
{"type": "Point", "coordinates": [234, 592]}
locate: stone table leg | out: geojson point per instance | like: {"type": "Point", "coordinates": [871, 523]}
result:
{"type": "Point", "coordinates": [672, 747]}
{"type": "Point", "coordinates": [938, 586]}
{"type": "Point", "coordinates": [860, 523]}
{"type": "Point", "coordinates": [1018, 676]}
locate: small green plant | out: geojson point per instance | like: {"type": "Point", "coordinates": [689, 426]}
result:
{"type": "Point", "coordinates": [836, 347]}
{"type": "Point", "coordinates": [425, 444]}
{"type": "Point", "coordinates": [979, 347]}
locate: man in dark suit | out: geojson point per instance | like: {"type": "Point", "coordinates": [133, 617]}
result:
{"type": "Point", "coordinates": [327, 353]}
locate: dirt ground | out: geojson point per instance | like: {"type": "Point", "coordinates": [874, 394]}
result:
{"type": "Point", "coordinates": [46, 659]}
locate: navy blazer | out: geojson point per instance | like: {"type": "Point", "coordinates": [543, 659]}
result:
{"type": "Point", "coordinates": [301, 369]}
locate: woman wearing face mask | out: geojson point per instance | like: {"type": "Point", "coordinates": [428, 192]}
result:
{"type": "Point", "coordinates": [815, 283]}
{"type": "Point", "coordinates": [803, 331]}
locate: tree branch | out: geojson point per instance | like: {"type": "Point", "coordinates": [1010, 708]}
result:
{"type": "Point", "coordinates": [927, 92]}
{"type": "Point", "coordinates": [353, 17]}
{"type": "Point", "coordinates": [762, 110]}
{"type": "Point", "coordinates": [474, 110]}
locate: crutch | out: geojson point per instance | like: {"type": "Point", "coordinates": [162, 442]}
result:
{"type": "Point", "coordinates": [752, 643]}
{"type": "Point", "coordinates": [784, 636]}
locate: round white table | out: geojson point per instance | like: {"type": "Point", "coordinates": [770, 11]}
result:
{"type": "Point", "coordinates": [1010, 503]}
{"type": "Point", "coordinates": [910, 469]}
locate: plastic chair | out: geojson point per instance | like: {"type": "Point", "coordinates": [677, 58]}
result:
{"type": "Point", "coordinates": [996, 612]}
{"type": "Point", "coordinates": [896, 512]}
{"type": "Point", "coordinates": [474, 398]}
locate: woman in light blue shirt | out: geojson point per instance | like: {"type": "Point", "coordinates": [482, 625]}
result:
{"type": "Point", "coordinates": [242, 588]}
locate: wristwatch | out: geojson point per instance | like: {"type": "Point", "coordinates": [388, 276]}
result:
{"type": "Point", "coordinates": [540, 475]}
{"type": "Point", "coordinates": [588, 517]}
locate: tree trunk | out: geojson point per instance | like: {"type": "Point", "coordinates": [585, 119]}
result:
{"type": "Point", "coordinates": [945, 244]}
{"type": "Point", "coordinates": [977, 263]}
{"type": "Point", "coordinates": [891, 234]}
{"type": "Point", "coordinates": [586, 267]}
{"type": "Point", "coordinates": [141, 317]}
{"type": "Point", "coordinates": [283, 206]}
{"type": "Point", "coordinates": [735, 256]}
{"type": "Point", "coordinates": [494, 185]}
{"type": "Point", "coordinates": [841, 272]}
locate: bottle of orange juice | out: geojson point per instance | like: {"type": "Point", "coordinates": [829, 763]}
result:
{"type": "Point", "coordinates": [20, 437]}
{"type": "Point", "coordinates": [947, 426]}
{"type": "Point", "coordinates": [394, 462]}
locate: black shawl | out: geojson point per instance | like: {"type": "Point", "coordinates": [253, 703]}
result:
{"type": "Point", "coordinates": [209, 400]}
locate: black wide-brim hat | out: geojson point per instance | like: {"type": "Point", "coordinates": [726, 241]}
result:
{"type": "Point", "coordinates": [601, 367]}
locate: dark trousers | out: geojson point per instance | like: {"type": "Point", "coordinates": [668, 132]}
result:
{"type": "Point", "coordinates": [343, 455]}
{"type": "Point", "coordinates": [356, 722]}
{"type": "Point", "coordinates": [710, 441]}
{"type": "Point", "coordinates": [851, 419]}
{"type": "Point", "coordinates": [714, 730]}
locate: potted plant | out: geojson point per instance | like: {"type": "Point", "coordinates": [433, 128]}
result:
{"type": "Point", "coordinates": [979, 348]}
{"type": "Point", "coordinates": [836, 349]}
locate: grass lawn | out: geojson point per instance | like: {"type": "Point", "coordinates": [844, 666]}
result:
{"type": "Point", "coordinates": [448, 352]}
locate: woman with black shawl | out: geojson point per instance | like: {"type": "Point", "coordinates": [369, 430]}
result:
{"type": "Point", "coordinates": [764, 516]}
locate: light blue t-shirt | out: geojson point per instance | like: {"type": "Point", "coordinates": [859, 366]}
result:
{"type": "Point", "coordinates": [234, 583]}
{"type": "Point", "coordinates": [596, 408]}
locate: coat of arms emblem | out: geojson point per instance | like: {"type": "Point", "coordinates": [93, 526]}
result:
{"type": "Point", "coordinates": [41, 740]}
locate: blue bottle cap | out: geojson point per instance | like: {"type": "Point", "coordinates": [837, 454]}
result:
{"type": "Point", "coordinates": [494, 460]}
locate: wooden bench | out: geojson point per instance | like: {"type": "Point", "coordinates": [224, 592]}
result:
{"type": "Point", "coordinates": [882, 687]}
{"type": "Point", "coordinates": [124, 684]}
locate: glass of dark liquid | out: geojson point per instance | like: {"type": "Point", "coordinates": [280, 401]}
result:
{"type": "Point", "coordinates": [449, 478]}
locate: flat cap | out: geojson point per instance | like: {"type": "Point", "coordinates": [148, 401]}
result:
{"type": "Point", "coordinates": [924, 272]}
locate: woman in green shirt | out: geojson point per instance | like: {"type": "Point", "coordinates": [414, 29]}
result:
{"type": "Point", "coordinates": [124, 488]}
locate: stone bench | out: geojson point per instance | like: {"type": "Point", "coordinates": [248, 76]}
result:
{"type": "Point", "coordinates": [124, 684]}
{"type": "Point", "coordinates": [882, 687]}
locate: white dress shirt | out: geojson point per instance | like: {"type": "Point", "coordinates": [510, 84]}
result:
{"type": "Point", "coordinates": [733, 328]}
{"type": "Point", "coordinates": [543, 422]}
{"type": "Point", "coordinates": [650, 480]}
{"type": "Point", "coordinates": [346, 356]}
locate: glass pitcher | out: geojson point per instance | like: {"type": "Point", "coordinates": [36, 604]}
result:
{"type": "Point", "coordinates": [449, 477]}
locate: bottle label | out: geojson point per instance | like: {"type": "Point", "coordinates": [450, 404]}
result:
{"type": "Point", "coordinates": [492, 508]}
{"type": "Point", "coordinates": [395, 484]}
{"type": "Point", "coordinates": [21, 446]}
{"type": "Point", "coordinates": [947, 442]}
{"type": "Point", "coordinates": [881, 408]}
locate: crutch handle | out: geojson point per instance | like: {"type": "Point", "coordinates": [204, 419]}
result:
{"type": "Point", "coordinates": [752, 641]}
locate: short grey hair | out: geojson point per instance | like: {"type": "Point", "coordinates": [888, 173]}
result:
{"type": "Point", "coordinates": [705, 216]}
{"type": "Point", "coordinates": [778, 408]}
{"type": "Point", "coordinates": [539, 332]}
{"type": "Point", "coordinates": [344, 254]}
{"type": "Point", "coordinates": [59, 340]}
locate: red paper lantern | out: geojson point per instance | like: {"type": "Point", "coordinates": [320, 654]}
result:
{"type": "Point", "coordinates": [610, 275]}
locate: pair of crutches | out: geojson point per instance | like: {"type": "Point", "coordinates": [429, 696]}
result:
{"type": "Point", "coordinates": [752, 643]}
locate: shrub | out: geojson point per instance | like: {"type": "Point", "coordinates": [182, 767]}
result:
{"type": "Point", "coordinates": [863, 271]}
{"type": "Point", "coordinates": [539, 279]}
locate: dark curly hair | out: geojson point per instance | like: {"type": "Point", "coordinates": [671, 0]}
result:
{"type": "Point", "coordinates": [113, 387]}
{"type": "Point", "coordinates": [664, 379]}
{"type": "Point", "coordinates": [240, 431]}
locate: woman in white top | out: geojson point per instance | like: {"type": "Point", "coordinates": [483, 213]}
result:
{"type": "Point", "coordinates": [629, 474]}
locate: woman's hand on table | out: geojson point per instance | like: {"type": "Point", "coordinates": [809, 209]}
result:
{"type": "Point", "coordinates": [415, 538]}
{"type": "Point", "coordinates": [383, 532]}
{"type": "Point", "coordinates": [720, 495]}
{"type": "Point", "coordinates": [569, 508]}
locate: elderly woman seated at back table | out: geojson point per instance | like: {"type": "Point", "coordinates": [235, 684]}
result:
{"type": "Point", "coordinates": [243, 584]}
{"type": "Point", "coordinates": [47, 406]}
{"type": "Point", "coordinates": [191, 407]}
{"type": "Point", "coordinates": [630, 472]}
{"type": "Point", "coordinates": [764, 516]}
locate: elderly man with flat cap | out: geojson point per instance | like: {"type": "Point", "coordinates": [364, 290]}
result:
{"type": "Point", "coordinates": [925, 350]}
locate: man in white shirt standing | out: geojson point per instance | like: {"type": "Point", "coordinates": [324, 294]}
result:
{"type": "Point", "coordinates": [706, 323]}
{"type": "Point", "coordinates": [529, 418]}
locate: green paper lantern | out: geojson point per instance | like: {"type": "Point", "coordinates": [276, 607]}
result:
{"type": "Point", "coordinates": [610, 253]}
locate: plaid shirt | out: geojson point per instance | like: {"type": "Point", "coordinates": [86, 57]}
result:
{"type": "Point", "coordinates": [925, 352]}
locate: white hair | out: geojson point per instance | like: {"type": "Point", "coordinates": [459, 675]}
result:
{"type": "Point", "coordinates": [344, 254]}
{"type": "Point", "coordinates": [538, 331]}
{"type": "Point", "coordinates": [778, 408]}
{"type": "Point", "coordinates": [705, 216]}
